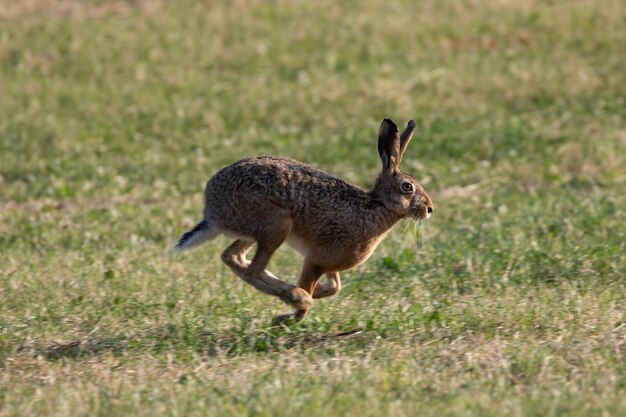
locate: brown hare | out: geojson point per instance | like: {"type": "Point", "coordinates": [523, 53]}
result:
{"type": "Point", "coordinates": [333, 224]}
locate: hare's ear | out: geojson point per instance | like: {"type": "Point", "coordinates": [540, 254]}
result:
{"type": "Point", "coordinates": [389, 145]}
{"type": "Point", "coordinates": [406, 136]}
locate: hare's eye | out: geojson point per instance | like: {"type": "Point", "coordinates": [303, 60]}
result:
{"type": "Point", "coordinates": [407, 186]}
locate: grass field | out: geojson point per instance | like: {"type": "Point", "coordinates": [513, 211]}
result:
{"type": "Point", "coordinates": [511, 301]}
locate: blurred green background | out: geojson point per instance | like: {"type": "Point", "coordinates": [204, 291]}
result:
{"type": "Point", "coordinates": [113, 114]}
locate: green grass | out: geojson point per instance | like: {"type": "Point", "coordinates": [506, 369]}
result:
{"type": "Point", "coordinates": [512, 301]}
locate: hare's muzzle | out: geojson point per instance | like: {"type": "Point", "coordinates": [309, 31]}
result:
{"type": "Point", "coordinates": [425, 208]}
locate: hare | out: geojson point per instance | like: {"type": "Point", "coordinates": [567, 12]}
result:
{"type": "Point", "coordinates": [333, 224]}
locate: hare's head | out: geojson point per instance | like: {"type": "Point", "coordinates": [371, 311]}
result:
{"type": "Point", "coordinates": [400, 192]}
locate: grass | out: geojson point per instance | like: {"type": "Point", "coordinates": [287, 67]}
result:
{"type": "Point", "coordinates": [510, 302]}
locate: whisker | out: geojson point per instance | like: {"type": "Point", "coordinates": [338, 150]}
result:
{"type": "Point", "coordinates": [417, 232]}
{"type": "Point", "coordinates": [430, 227]}
{"type": "Point", "coordinates": [400, 239]}
{"type": "Point", "coordinates": [423, 231]}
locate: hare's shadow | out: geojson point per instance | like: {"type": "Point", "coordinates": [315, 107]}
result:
{"type": "Point", "coordinates": [228, 342]}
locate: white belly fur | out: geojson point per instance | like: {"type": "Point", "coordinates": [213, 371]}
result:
{"type": "Point", "coordinates": [298, 244]}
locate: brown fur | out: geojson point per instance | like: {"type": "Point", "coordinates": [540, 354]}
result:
{"type": "Point", "coordinates": [335, 225]}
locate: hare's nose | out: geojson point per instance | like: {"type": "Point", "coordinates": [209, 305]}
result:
{"type": "Point", "coordinates": [430, 210]}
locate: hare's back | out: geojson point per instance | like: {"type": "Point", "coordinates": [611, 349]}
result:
{"type": "Point", "coordinates": [274, 176]}
{"type": "Point", "coordinates": [281, 182]}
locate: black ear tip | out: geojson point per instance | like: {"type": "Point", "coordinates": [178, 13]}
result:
{"type": "Point", "coordinates": [390, 123]}
{"type": "Point", "coordinates": [411, 123]}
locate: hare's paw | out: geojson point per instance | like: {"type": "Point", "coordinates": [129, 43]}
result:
{"type": "Point", "coordinates": [284, 319]}
{"type": "Point", "coordinates": [300, 299]}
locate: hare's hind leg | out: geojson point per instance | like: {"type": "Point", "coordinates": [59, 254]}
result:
{"type": "Point", "coordinates": [255, 274]}
{"type": "Point", "coordinates": [235, 254]}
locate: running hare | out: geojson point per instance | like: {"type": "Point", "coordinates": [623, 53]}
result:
{"type": "Point", "coordinates": [335, 225]}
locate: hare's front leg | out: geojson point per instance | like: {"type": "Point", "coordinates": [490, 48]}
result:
{"type": "Point", "coordinates": [332, 288]}
{"type": "Point", "coordinates": [308, 280]}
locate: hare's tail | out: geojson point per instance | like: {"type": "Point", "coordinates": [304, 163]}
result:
{"type": "Point", "coordinates": [201, 233]}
